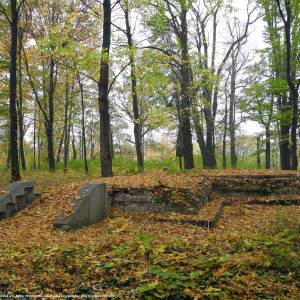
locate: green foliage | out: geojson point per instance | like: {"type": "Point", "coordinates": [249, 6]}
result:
{"type": "Point", "coordinates": [260, 255]}
{"type": "Point", "coordinates": [4, 64]}
{"type": "Point", "coordinates": [258, 104]}
{"type": "Point", "coordinates": [158, 21]}
{"type": "Point", "coordinates": [275, 35]}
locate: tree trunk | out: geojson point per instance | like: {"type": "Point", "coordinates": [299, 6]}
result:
{"type": "Point", "coordinates": [66, 132]}
{"type": "Point", "coordinates": [294, 156]}
{"type": "Point", "coordinates": [20, 107]}
{"type": "Point", "coordinates": [268, 148]}
{"type": "Point", "coordinates": [60, 146]}
{"type": "Point", "coordinates": [68, 136]}
{"type": "Point", "coordinates": [34, 138]}
{"type": "Point", "coordinates": [50, 121]}
{"type": "Point", "coordinates": [135, 104]}
{"type": "Point", "coordinates": [210, 147]}
{"type": "Point", "coordinates": [8, 159]}
{"type": "Point", "coordinates": [179, 140]}
{"type": "Point", "coordinates": [285, 154]}
{"type": "Point", "coordinates": [86, 168]}
{"type": "Point", "coordinates": [105, 154]}
{"type": "Point", "coordinates": [180, 162]}
{"type": "Point", "coordinates": [225, 136]}
{"type": "Point", "coordinates": [80, 147]}
{"type": "Point", "coordinates": [13, 136]}
{"type": "Point", "coordinates": [112, 150]}
{"type": "Point", "coordinates": [258, 160]}
{"type": "Point", "coordinates": [284, 137]}
{"type": "Point", "coordinates": [232, 143]}
{"type": "Point", "coordinates": [291, 58]}
{"type": "Point", "coordinates": [185, 95]}
{"type": "Point", "coordinates": [74, 152]}
{"type": "Point", "coordinates": [39, 142]}
{"type": "Point", "coordinates": [92, 141]}
{"type": "Point", "coordinates": [50, 146]}
{"type": "Point", "coordinates": [232, 113]}
{"type": "Point", "coordinates": [200, 135]}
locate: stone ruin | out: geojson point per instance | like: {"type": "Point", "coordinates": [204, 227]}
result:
{"type": "Point", "coordinates": [16, 197]}
{"type": "Point", "coordinates": [93, 201]}
{"type": "Point", "coordinates": [257, 184]}
{"type": "Point", "coordinates": [159, 198]}
{"type": "Point", "coordinates": [90, 206]}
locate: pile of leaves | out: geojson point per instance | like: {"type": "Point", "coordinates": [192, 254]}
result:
{"type": "Point", "coordinates": [254, 252]}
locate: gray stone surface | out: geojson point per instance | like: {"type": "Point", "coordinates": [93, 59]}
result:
{"type": "Point", "coordinates": [91, 205]}
{"type": "Point", "coordinates": [16, 197]}
{"type": "Point", "coordinates": [136, 202]}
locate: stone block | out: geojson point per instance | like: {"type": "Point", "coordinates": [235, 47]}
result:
{"type": "Point", "coordinates": [16, 197]}
{"type": "Point", "coordinates": [90, 206]}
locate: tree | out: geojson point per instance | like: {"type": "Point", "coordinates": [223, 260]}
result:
{"type": "Point", "coordinates": [282, 18]}
{"type": "Point", "coordinates": [208, 74]}
{"type": "Point", "coordinates": [289, 12]}
{"type": "Point", "coordinates": [259, 106]}
{"type": "Point", "coordinates": [13, 135]}
{"type": "Point", "coordinates": [105, 151]}
{"type": "Point", "coordinates": [83, 125]}
{"type": "Point", "coordinates": [20, 110]}
{"type": "Point", "coordinates": [236, 65]}
{"type": "Point", "coordinates": [138, 129]}
{"type": "Point", "coordinates": [47, 40]}
{"type": "Point", "coordinates": [170, 18]}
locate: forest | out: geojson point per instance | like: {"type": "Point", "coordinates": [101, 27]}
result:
{"type": "Point", "coordinates": [84, 81]}
{"type": "Point", "coordinates": [176, 122]}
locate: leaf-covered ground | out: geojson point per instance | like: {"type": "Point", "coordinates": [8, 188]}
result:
{"type": "Point", "coordinates": [253, 253]}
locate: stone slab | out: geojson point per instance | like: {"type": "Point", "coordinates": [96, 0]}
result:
{"type": "Point", "coordinates": [91, 205]}
{"type": "Point", "coordinates": [16, 197]}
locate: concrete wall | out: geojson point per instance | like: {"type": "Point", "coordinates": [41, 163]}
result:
{"type": "Point", "coordinates": [91, 204]}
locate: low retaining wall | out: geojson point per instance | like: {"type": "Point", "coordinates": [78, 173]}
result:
{"type": "Point", "coordinates": [134, 200]}
{"type": "Point", "coordinates": [271, 184]}
{"type": "Point", "coordinates": [159, 199]}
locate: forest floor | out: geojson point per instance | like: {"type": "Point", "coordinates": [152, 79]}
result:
{"type": "Point", "coordinates": [252, 253]}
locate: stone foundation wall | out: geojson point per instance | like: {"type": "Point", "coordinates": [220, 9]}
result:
{"type": "Point", "coordinates": [258, 184]}
{"type": "Point", "coordinates": [159, 199]}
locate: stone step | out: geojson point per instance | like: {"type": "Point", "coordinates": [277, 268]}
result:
{"type": "Point", "coordinates": [207, 216]}
{"type": "Point", "coordinates": [264, 200]}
